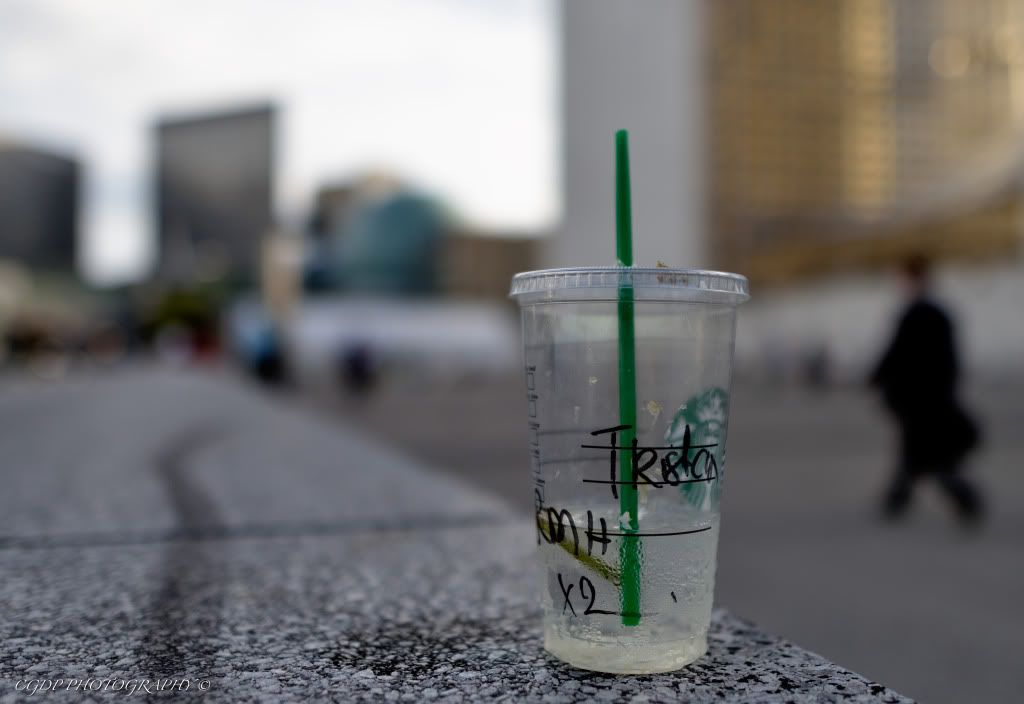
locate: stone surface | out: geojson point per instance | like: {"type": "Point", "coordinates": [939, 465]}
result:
{"type": "Point", "coordinates": [286, 560]}
{"type": "Point", "coordinates": [146, 453]}
{"type": "Point", "coordinates": [355, 616]}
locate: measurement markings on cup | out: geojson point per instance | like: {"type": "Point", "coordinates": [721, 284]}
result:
{"type": "Point", "coordinates": [532, 400]}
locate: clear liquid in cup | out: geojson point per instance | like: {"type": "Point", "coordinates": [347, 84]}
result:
{"type": "Point", "coordinates": [676, 593]}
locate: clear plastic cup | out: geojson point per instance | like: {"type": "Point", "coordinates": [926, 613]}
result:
{"type": "Point", "coordinates": [627, 593]}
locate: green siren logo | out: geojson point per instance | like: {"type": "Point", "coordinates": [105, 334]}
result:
{"type": "Point", "coordinates": [703, 418]}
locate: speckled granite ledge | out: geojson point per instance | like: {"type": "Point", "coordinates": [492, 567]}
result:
{"type": "Point", "coordinates": [391, 615]}
{"type": "Point", "coordinates": [279, 558]}
{"type": "Point", "coordinates": [464, 660]}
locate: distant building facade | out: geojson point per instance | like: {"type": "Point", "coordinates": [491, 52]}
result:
{"type": "Point", "coordinates": [214, 194]}
{"type": "Point", "coordinates": [39, 208]}
{"type": "Point", "coordinates": [480, 265]}
{"type": "Point", "coordinates": [332, 207]}
{"type": "Point", "coordinates": [391, 245]}
{"type": "Point", "coordinates": [789, 138]}
{"type": "Point", "coordinates": [849, 134]}
{"type": "Point", "coordinates": [373, 236]}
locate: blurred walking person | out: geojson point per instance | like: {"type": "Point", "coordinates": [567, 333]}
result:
{"type": "Point", "coordinates": [917, 376]}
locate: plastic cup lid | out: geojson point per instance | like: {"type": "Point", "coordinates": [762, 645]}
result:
{"type": "Point", "coordinates": [648, 283]}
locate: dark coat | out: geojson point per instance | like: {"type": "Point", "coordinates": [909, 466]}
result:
{"type": "Point", "coordinates": [917, 376]}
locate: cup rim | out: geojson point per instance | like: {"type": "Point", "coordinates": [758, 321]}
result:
{"type": "Point", "coordinates": [647, 283]}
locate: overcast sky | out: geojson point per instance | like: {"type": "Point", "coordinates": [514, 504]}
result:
{"type": "Point", "coordinates": [456, 95]}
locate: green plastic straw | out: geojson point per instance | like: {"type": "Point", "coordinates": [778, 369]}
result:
{"type": "Point", "coordinates": [629, 548]}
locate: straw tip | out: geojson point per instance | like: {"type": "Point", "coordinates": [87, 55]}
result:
{"type": "Point", "coordinates": [621, 134]}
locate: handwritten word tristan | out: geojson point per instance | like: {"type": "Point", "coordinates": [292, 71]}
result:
{"type": "Point", "coordinates": [674, 467]}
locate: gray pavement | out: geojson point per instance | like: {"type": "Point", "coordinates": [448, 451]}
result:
{"type": "Point", "coordinates": [159, 524]}
{"type": "Point", "coordinates": [923, 605]}
{"type": "Point", "coordinates": [146, 451]}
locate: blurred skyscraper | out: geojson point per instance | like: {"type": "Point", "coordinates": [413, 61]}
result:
{"type": "Point", "coordinates": [788, 137]}
{"type": "Point", "coordinates": [214, 190]}
{"type": "Point", "coordinates": [39, 196]}
{"type": "Point", "coordinates": [852, 133]}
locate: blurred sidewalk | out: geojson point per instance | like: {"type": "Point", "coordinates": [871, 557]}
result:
{"type": "Point", "coordinates": [147, 452]}
{"type": "Point", "coordinates": [922, 605]}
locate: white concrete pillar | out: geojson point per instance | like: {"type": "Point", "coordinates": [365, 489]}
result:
{"type": "Point", "coordinates": [633, 65]}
